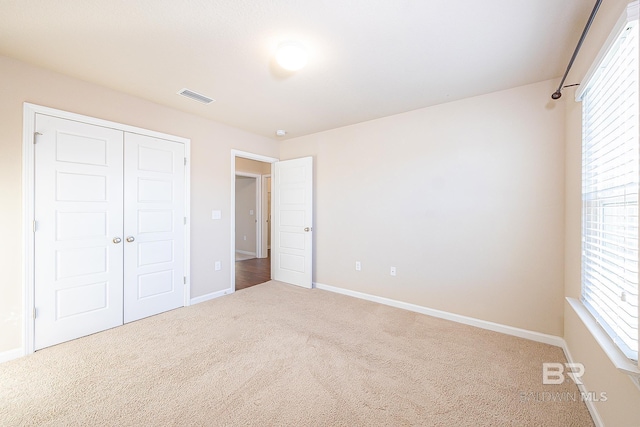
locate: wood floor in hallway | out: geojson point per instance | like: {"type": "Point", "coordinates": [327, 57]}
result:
{"type": "Point", "coordinates": [252, 272]}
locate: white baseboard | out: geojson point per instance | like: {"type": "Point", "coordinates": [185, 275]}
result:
{"type": "Point", "coordinates": [245, 252]}
{"type": "Point", "coordinates": [210, 296]}
{"type": "Point", "coordinates": [5, 356]}
{"type": "Point", "coordinates": [496, 327]}
{"type": "Point", "coordinates": [591, 406]}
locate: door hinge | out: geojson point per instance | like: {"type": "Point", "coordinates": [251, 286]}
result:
{"type": "Point", "coordinates": [35, 134]}
{"type": "Point", "coordinates": [185, 161]}
{"type": "Point", "coordinates": [34, 226]}
{"type": "Point", "coordinates": [34, 312]}
{"type": "Point", "coordinates": [185, 220]}
{"type": "Point", "coordinates": [184, 279]}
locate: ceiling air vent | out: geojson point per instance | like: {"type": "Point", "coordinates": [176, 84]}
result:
{"type": "Point", "coordinates": [195, 96]}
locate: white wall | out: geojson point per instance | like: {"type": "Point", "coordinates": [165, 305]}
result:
{"type": "Point", "coordinates": [623, 405]}
{"type": "Point", "coordinates": [211, 145]}
{"type": "Point", "coordinates": [245, 220]}
{"type": "Point", "coordinates": [465, 199]}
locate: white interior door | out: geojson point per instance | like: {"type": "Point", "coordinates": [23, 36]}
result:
{"type": "Point", "coordinates": [293, 220]}
{"type": "Point", "coordinates": [154, 225]}
{"type": "Point", "coordinates": [78, 255]}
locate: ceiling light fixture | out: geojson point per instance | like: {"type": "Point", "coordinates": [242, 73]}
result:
{"type": "Point", "coordinates": [280, 132]}
{"type": "Point", "coordinates": [291, 56]}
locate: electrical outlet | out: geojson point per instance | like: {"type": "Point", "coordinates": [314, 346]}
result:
{"type": "Point", "coordinates": [218, 266]}
{"type": "Point", "coordinates": [245, 237]}
{"type": "Point", "coordinates": [358, 266]}
{"type": "Point", "coordinates": [393, 271]}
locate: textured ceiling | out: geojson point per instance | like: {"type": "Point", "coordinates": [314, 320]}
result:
{"type": "Point", "coordinates": [369, 58]}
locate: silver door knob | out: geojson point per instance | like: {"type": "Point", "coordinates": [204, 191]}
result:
{"type": "Point", "coordinates": [130, 239]}
{"type": "Point", "coordinates": [117, 240]}
{"type": "Point", "coordinates": [307, 229]}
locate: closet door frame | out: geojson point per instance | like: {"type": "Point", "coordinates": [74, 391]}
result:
{"type": "Point", "coordinates": [28, 205]}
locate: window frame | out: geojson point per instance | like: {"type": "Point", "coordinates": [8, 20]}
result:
{"type": "Point", "coordinates": [602, 336]}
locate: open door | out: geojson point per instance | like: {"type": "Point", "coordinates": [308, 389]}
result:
{"type": "Point", "coordinates": [292, 245]}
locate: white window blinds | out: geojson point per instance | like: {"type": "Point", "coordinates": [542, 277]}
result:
{"type": "Point", "coordinates": [610, 184]}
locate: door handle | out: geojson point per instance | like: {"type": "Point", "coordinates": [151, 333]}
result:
{"type": "Point", "coordinates": [307, 229]}
{"type": "Point", "coordinates": [117, 240]}
{"type": "Point", "coordinates": [130, 239]}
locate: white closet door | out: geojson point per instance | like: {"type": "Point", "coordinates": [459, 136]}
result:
{"type": "Point", "coordinates": [78, 213]}
{"type": "Point", "coordinates": [154, 226]}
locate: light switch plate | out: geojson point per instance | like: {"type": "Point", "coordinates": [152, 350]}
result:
{"type": "Point", "coordinates": [216, 214]}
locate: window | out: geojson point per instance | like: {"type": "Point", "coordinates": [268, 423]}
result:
{"type": "Point", "coordinates": [610, 187]}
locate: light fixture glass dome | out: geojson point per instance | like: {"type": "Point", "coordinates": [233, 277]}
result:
{"type": "Point", "coordinates": [291, 56]}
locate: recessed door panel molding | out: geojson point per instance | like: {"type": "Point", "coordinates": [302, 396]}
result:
{"type": "Point", "coordinates": [155, 160]}
{"type": "Point", "coordinates": [292, 263]}
{"type": "Point", "coordinates": [94, 225]}
{"type": "Point", "coordinates": [81, 149]}
{"type": "Point", "coordinates": [294, 174]}
{"type": "Point", "coordinates": [158, 252]}
{"type": "Point", "coordinates": [155, 221]}
{"type": "Point", "coordinates": [81, 300]}
{"type": "Point", "coordinates": [81, 261]}
{"type": "Point", "coordinates": [293, 210]}
{"type": "Point", "coordinates": [107, 209]}
{"type": "Point", "coordinates": [81, 187]}
{"type": "Point", "coordinates": [155, 285]}
{"type": "Point", "coordinates": [292, 196]}
{"type": "Point", "coordinates": [292, 240]}
{"type": "Point", "coordinates": [154, 190]}
{"type": "Point", "coordinates": [290, 218]}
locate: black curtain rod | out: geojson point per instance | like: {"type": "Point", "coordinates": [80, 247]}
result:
{"type": "Point", "coordinates": [558, 93]}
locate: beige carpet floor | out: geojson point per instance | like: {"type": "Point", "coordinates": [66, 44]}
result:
{"type": "Point", "coordinates": [274, 355]}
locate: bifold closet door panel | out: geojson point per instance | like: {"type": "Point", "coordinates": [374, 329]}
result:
{"type": "Point", "coordinates": [154, 202]}
{"type": "Point", "coordinates": [78, 239]}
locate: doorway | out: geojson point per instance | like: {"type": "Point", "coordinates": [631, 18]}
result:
{"type": "Point", "coordinates": [252, 225]}
{"type": "Point", "coordinates": [291, 260]}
